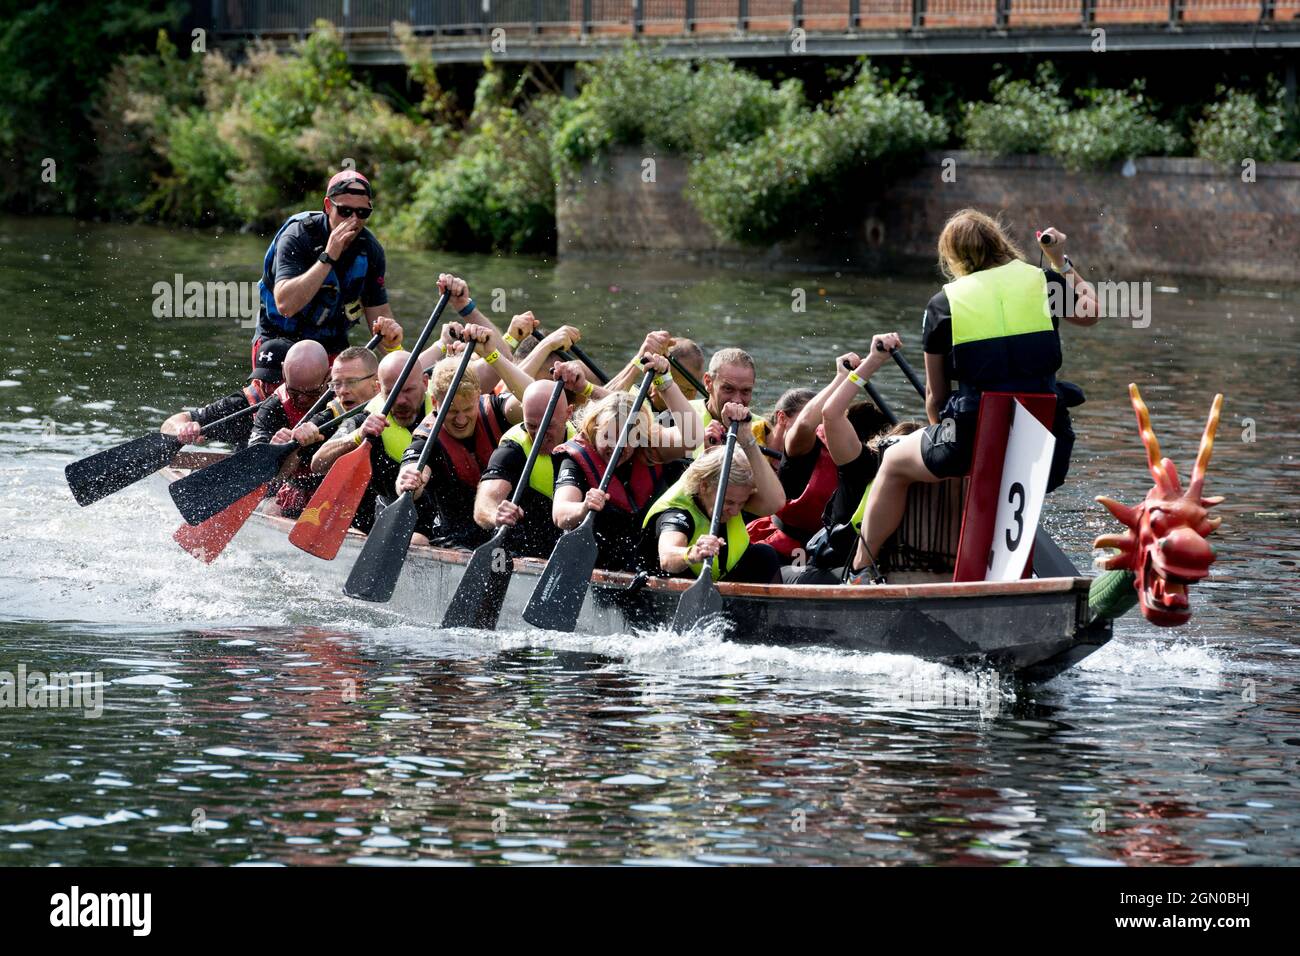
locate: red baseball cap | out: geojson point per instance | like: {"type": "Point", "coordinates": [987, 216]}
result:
{"type": "Point", "coordinates": [348, 181]}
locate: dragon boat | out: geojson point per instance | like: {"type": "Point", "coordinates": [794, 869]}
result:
{"type": "Point", "coordinates": [1031, 628]}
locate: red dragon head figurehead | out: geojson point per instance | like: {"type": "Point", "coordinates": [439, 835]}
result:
{"type": "Point", "coordinates": [1165, 544]}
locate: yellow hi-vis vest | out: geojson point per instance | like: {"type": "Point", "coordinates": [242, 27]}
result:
{"type": "Point", "coordinates": [1002, 330]}
{"type": "Point", "coordinates": [542, 480]}
{"type": "Point", "coordinates": [736, 534]}
{"type": "Point", "coordinates": [396, 437]}
{"type": "Point", "coordinates": [757, 424]}
{"type": "Point", "coordinates": [862, 510]}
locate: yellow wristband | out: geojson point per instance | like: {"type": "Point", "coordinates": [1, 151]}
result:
{"type": "Point", "coordinates": [857, 380]}
{"type": "Point", "coordinates": [493, 356]}
{"type": "Point", "coordinates": [358, 437]}
{"type": "Point", "coordinates": [511, 340]}
{"type": "Point", "coordinates": [442, 349]}
{"type": "Point", "coordinates": [588, 389]}
{"type": "Point", "coordinates": [664, 382]}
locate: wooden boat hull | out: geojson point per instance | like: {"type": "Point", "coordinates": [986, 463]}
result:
{"type": "Point", "coordinates": [1032, 629]}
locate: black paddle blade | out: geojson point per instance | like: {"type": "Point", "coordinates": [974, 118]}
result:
{"type": "Point", "coordinates": [211, 490]}
{"type": "Point", "coordinates": [374, 576]}
{"type": "Point", "coordinates": [698, 601]}
{"type": "Point", "coordinates": [105, 472]}
{"type": "Point", "coordinates": [482, 590]}
{"type": "Point", "coordinates": [557, 600]}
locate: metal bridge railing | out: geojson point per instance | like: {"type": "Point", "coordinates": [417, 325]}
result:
{"type": "Point", "coordinates": [653, 18]}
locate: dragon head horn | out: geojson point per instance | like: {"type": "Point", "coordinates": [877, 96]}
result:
{"type": "Point", "coordinates": [1207, 447]}
{"type": "Point", "coordinates": [1163, 472]}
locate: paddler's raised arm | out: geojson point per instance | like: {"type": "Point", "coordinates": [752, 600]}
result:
{"type": "Point", "coordinates": [841, 437]}
{"type": "Point", "coordinates": [501, 365]}
{"type": "Point", "coordinates": [627, 378]}
{"type": "Point", "coordinates": [768, 496]}
{"type": "Point", "coordinates": [802, 435]}
{"type": "Point", "coordinates": [349, 435]}
{"type": "Point", "coordinates": [1082, 307]}
{"type": "Point", "coordinates": [468, 312]}
{"type": "Point", "coordinates": [675, 441]}
{"type": "Point", "coordinates": [560, 339]}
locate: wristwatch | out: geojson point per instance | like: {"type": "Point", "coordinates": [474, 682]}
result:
{"type": "Point", "coordinates": [325, 258]}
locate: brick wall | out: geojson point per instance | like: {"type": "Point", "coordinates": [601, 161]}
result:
{"type": "Point", "coordinates": [1171, 217]}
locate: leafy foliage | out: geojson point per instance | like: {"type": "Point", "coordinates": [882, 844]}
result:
{"type": "Point", "coordinates": [496, 192]}
{"type": "Point", "coordinates": [696, 109]}
{"type": "Point", "coordinates": [1117, 124]}
{"type": "Point", "coordinates": [54, 59]}
{"type": "Point", "coordinates": [798, 170]}
{"type": "Point", "coordinates": [1238, 126]}
{"type": "Point", "coordinates": [1022, 117]}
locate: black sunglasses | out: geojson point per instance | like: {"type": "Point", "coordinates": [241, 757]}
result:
{"type": "Point", "coordinates": [346, 212]}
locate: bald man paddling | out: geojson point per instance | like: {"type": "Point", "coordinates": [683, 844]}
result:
{"type": "Point", "coordinates": [536, 534]}
{"type": "Point", "coordinates": [306, 367]}
{"type": "Point", "coordinates": [392, 436]}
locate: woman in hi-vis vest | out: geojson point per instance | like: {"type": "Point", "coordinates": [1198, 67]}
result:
{"type": "Point", "coordinates": [992, 328]}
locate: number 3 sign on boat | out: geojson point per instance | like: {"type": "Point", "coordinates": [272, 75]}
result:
{"type": "Point", "coordinates": [1020, 500]}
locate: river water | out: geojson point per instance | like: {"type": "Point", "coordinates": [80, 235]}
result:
{"type": "Point", "coordinates": [248, 713]}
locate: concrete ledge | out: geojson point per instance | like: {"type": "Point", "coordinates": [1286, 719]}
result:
{"type": "Point", "coordinates": [1167, 218]}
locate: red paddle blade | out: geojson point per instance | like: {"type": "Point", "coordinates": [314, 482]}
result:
{"type": "Point", "coordinates": [325, 521]}
{"type": "Point", "coordinates": [209, 538]}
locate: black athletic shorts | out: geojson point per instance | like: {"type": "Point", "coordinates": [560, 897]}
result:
{"type": "Point", "coordinates": [947, 447]}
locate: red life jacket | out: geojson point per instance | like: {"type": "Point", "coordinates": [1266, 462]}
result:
{"type": "Point", "coordinates": [799, 518]}
{"type": "Point", "coordinates": [487, 435]}
{"type": "Point", "coordinates": [645, 477]}
{"type": "Point", "coordinates": [291, 411]}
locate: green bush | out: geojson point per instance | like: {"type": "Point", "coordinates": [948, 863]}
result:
{"type": "Point", "coordinates": [1117, 124]}
{"type": "Point", "coordinates": [1022, 118]}
{"type": "Point", "coordinates": [54, 60]}
{"type": "Point", "coordinates": [199, 140]}
{"type": "Point", "coordinates": [695, 109]}
{"type": "Point", "coordinates": [496, 193]}
{"type": "Point", "coordinates": [1238, 126]}
{"type": "Point", "coordinates": [798, 171]}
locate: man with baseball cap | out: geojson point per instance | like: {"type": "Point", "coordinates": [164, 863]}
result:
{"type": "Point", "coordinates": [266, 378]}
{"type": "Point", "coordinates": [324, 273]}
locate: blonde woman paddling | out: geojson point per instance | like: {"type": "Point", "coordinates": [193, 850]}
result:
{"type": "Point", "coordinates": [680, 520]}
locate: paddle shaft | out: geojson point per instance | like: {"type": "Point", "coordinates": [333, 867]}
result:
{"type": "Point", "coordinates": [233, 416]}
{"type": "Point", "coordinates": [333, 423]}
{"type": "Point", "coordinates": [701, 599]}
{"type": "Point", "coordinates": [910, 372]}
{"type": "Point", "coordinates": [414, 359]}
{"type": "Point", "coordinates": [641, 393]}
{"type": "Point", "coordinates": [720, 497]}
{"type": "Point", "coordinates": [586, 360]}
{"type": "Point", "coordinates": [445, 407]}
{"type": "Point", "coordinates": [695, 382]}
{"type": "Point", "coordinates": [482, 589]}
